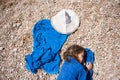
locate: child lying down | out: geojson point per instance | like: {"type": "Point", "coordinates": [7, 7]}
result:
{"type": "Point", "coordinates": [78, 64]}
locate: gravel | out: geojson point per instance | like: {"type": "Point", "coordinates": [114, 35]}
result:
{"type": "Point", "coordinates": [99, 30]}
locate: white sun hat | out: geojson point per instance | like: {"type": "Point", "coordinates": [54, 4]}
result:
{"type": "Point", "coordinates": [66, 21]}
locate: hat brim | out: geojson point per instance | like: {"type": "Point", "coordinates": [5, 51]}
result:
{"type": "Point", "coordinates": [59, 24]}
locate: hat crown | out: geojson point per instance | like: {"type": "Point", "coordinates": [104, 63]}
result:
{"type": "Point", "coordinates": [65, 22]}
{"type": "Point", "coordinates": [68, 18]}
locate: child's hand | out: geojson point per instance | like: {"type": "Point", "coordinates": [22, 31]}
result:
{"type": "Point", "coordinates": [89, 66]}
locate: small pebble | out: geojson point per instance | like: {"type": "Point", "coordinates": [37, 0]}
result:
{"type": "Point", "coordinates": [1, 48]}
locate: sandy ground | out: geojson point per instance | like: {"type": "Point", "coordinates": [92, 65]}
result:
{"type": "Point", "coordinates": [99, 30]}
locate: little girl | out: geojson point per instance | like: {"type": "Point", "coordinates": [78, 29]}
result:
{"type": "Point", "coordinates": [74, 68]}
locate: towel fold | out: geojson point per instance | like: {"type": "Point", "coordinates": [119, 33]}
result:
{"type": "Point", "coordinates": [47, 43]}
{"type": "Point", "coordinates": [89, 57]}
{"type": "Point", "coordinates": [72, 70]}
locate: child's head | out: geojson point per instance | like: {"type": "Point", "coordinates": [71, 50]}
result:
{"type": "Point", "coordinates": [74, 51]}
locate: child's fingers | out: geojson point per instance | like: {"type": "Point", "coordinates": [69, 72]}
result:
{"type": "Point", "coordinates": [89, 66]}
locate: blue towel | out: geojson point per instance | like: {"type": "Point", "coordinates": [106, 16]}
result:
{"type": "Point", "coordinates": [74, 70]}
{"type": "Point", "coordinates": [89, 57]}
{"type": "Point", "coordinates": [47, 43]}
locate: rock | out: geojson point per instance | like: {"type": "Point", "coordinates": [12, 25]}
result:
{"type": "Point", "coordinates": [15, 49]}
{"type": "Point", "coordinates": [17, 25]}
{"type": "Point", "coordinates": [21, 64]}
{"type": "Point", "coordinates": [1, 48]}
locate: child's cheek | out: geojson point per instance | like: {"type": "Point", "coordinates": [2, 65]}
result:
{"type": "Point", "coordinates": [80, 58]}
